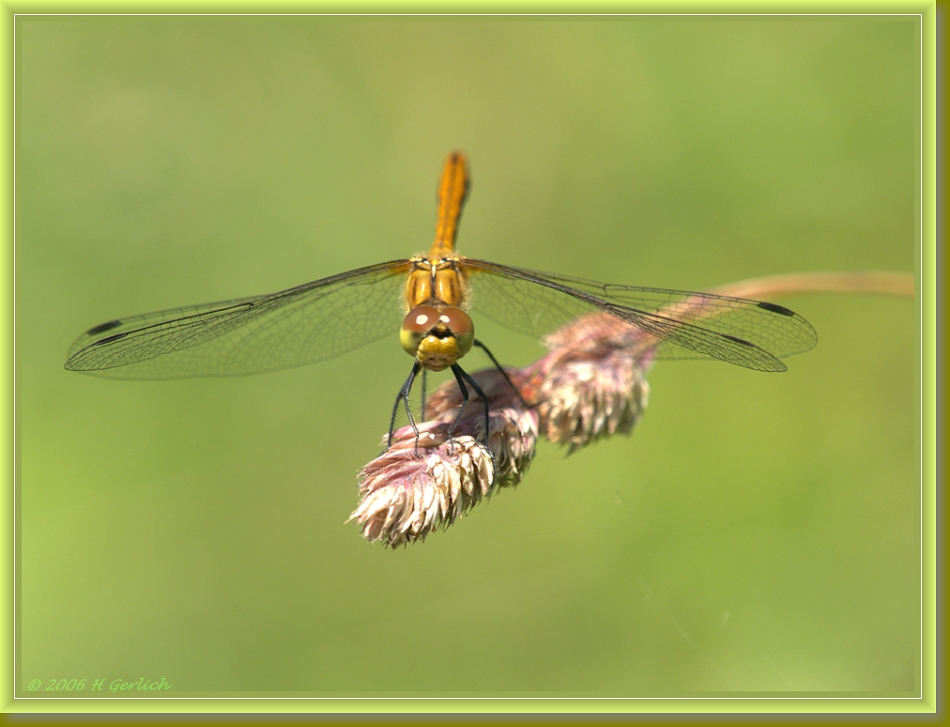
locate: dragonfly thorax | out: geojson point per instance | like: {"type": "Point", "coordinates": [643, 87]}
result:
{"type": "Point", "coordinates": [435, 282]}
{"type": "Point", "coordinates": [437, 337]}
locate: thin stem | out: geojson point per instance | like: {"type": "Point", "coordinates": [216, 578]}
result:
{"type": "Point", "coordinates": [776, 286]}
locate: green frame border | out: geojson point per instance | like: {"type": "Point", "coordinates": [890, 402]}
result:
{"type": "Point", "coordinates": [927, 296]}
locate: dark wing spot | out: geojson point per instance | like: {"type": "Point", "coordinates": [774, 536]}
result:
{"type": "Point", "coordinates": [776, 308]}
{"type": "Point", "coordinates": [103, 327]}
{"type": "Point", "coordinates": [110, 339]}
{"type": "Point", "coordinates": [738, 340]}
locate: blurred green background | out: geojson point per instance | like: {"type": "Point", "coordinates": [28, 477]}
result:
{"type": "Point", "coordinates": [757, 533]}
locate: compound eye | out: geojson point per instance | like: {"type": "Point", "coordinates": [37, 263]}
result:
{"type": "Point", "coordinates": [417, 323]}
{"type": "Point", "coordinates": [459, 322]}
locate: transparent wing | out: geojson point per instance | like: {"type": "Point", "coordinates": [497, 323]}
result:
{"type": "Point", "coordinates": [675, 323]}
{"type": "Point", "coordinates": [312, 322]}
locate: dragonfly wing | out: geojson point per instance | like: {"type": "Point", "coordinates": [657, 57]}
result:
{"type": "Point", "coordinates": [312, 322]}
{"type": "Point", "coordinates": [674, 323]}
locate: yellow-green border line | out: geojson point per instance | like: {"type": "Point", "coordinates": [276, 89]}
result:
{"type": "Point", "coordinates": [925, 13]}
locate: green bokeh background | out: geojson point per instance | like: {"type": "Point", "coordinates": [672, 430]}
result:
{"type": "Point", "coordinates": [757, 533]}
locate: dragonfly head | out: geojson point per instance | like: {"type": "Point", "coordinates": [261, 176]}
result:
{"type": "Point", "coordinates": [437, 338]}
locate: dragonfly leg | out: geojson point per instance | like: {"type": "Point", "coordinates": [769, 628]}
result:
{"type": "Point", "coordinates": [503, 372]}
{"type": "Point", "coordinates": [464, 390]}
{"type": "Point", "coordinates": [422, 408]}
{"type": "Point", "coordinates": [461, 376]}
{"type": "Point", "coordinates": [403, 396]}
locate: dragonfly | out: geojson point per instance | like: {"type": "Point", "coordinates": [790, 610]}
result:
{"type": "Point", "coordinates": [427, 298]}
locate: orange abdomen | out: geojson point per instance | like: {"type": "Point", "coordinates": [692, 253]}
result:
{"type": "Point", "coordinates": [453, 189]}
